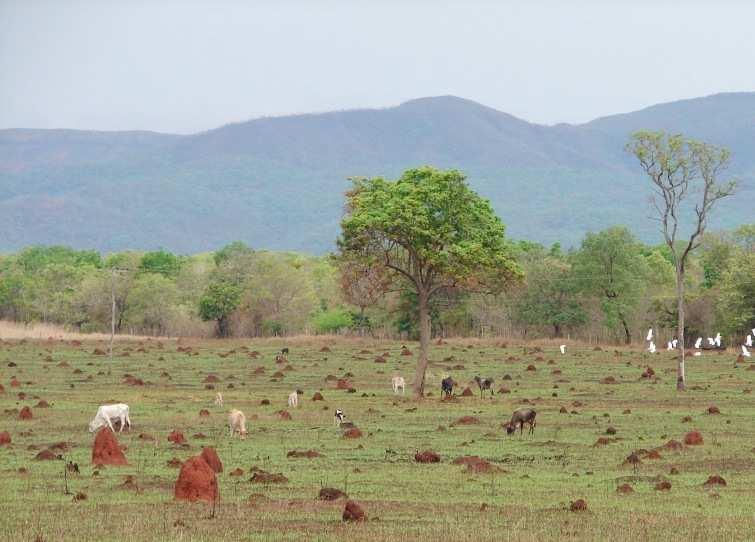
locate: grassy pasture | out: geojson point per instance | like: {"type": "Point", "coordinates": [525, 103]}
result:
{"type": "Point", "coordinates": [527, 500]}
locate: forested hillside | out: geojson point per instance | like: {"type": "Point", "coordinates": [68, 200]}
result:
{"type": "Point", "coordinates": [278, 183]}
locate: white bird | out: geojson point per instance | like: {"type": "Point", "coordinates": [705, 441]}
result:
{"type": "Point", "coordinates": [698, 354]}
{"type": "Point", "coordinates": [698, 342]}
{"type": "Point", "coordinates": [669, 346]}
{"type": "Point", "coordinates": [674, 342]}
{"type": "Point", "coordinates": [651, 348]}
{"type": "Point", "coordinates": [748, 341]}
{"type": "Point", "coordinates": [745, 352]}
{"type": "Point", "coordinates": [711, 342]}
{"type": "Point", "coordinates": [563, 348]}
{"type": "Point", "coordinates": [718, 340]}
{"type": "Point", "coordinates": [650, 335]}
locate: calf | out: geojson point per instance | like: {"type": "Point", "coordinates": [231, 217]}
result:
{"type": "Point", "coordinates": [339, 417]}
{"type": "Point", "coordinates": [447, 387]}
{"type": "Point", "coordinates": [237, 423]}
{"type": "Point", "coordinates": [484, 384]}
{"type": "Point", "coordinates": [293, 399]}
{"type": "Point", "coordinates": [520, 417]}
{"type": "Point", "coordinates": [106, 414]}
{"type": "Point", "coordinates": [398, 382]}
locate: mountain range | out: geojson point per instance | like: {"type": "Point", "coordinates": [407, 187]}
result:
{"type": "Point", "coordinates": [278, 183]}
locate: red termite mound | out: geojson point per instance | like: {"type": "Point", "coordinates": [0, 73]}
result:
{"type": "Point", "coordinates": [25, 414]}
{"type": "Point", "coordinates": [106, 450]}
{"type": "Point", "coordinates": [5, 438]}
{"type": "Point", "coordinates": [177, 437]}
{"type": "Point", "coordinates": [196, 481]}
{"type": "Point", "coordinates": [693, 438]}
{"type": "Point", "coordinates": [211, 458]}
{"type": "Point", "coordinates": [353, 512]}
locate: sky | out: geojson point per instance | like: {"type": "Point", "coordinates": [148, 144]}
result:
{"type": "Point", "coordinates": [187, 66]}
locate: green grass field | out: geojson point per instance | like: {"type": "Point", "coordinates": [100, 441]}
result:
{"type": "Point", "coordinates": [527, 499]}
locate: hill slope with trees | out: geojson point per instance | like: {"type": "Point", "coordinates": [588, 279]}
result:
{"type": "Point", "coordinates": [278, 183]}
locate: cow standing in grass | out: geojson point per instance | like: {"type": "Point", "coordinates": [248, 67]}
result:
{"type": "Point", "coordinates": [106, 414]}
{"type": "Point", "coordinates": [484, 384]}
{"type": "Point", "coordinates": [519, 418]}
{"type": "Point", "coordinates": [237, 423]}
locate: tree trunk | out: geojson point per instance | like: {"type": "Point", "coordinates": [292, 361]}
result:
{"type": "Point", "coordinates": [424, 342]}
{"type": "Point", "coordinates": [627, 333]}
{"type": "Point", "coordinates": [556, 331]}
{"type": "Point", "coordinates": [681, 377]}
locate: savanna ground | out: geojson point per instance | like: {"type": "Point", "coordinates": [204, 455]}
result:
{"type": "Point", "coordinates": [527, 499]}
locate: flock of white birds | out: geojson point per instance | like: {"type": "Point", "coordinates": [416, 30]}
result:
{"type": "Point", "coordinates": [673, 343]}
{"type": "Point", "coordinates": [712, 341]}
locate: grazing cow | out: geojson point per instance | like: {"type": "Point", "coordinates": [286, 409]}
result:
{"type": "Point", "coordinates": [484, 384]}
{"type": "Point", "coordinates": [447, 386]}
{"type": "Point", "coordinates": [237, 423]}
{"type": "Point", "coordinates": [398, 382]}
{"type": "Point", "coordinates": [339, 417]}
{"type": "Point", "coordinates": [106, 414]}
{"type": "Point", "coordinates": [219, 399]}
{"type": "Point", "coordinates": [284, 351]}
{"type": "Point", "coordinates": [293, 399]}
{"type": "Point", "coordinates": [520, 417]}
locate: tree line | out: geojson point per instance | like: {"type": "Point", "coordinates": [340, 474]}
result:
{"type": "Point", "coordinates": [610, 288]}
{"type": "Point", "coordinates": [418, 257]}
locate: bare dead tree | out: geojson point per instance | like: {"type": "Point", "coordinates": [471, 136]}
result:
{"type": "Point", "coordinates": [681, 168]}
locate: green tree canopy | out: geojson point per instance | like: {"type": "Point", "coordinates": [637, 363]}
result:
{"type": "Point", "coordinates": [610, 266]}
{"type": "Point", "coordinates": [431, 232]}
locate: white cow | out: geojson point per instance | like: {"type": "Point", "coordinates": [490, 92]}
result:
{"type": "Point", "coordinates": [745, 352]}
{"type": "Point", "coordinates": [698, 342]}
{"type": "Point", "coordinates": [237, 423]}
{"type": "Point", "coordinates": [650, 335]}
{"type": "Point", "coordinates": [398, 382]}
{"type": "Point", "coordinates": [106, 414]}
{"type": "Point", "coordinates": [748, 340]}
{"type": "Point", "coordinates": [651, 347]}
{"type": "Point", "coordinates": [293, 399]}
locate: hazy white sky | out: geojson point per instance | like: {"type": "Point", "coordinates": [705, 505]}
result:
{"type": "Point", "coordinates": [184, 66]}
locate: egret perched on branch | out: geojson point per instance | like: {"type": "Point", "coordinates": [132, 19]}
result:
{"type": "Point", "coordinates": [745, 352]}
{"type": "Point", "coordinates": [650, 335]}
{"type": "Point", "coordinates": [651, 348]}
{"type": "Point", "coordinates": [563, 348]}
{"type": "Point", "coordinates": [698, 342]}
{"type": "Point", "coordinates": [748, 341]}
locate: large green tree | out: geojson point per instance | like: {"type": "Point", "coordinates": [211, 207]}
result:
{"type": "Point", "coordinates": [551, 295]}
{"type": "Point", "coordinates": [684, 174]}
{"type": "Point", "coordinates": [610, 266]}
{"type": "Point", "coordinates": [429, 230]}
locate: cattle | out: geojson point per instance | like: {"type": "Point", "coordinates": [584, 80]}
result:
{"type": "Point", "coordinates": [398, 382]}
{"type": "Point", "coordinates": [484, 384]}
{"type": "Point", "coordinates": [447, 386]}
{"type": "Point", "coordinates": [293, 399]}
{"type": "Point", "coordinates": [520, 417]}
{"type": "Point", "coordinates": [237, 423]}
{"type": "Point", "coordinates": [284, 351]}
{"type": "Point", "coordinates": [339, 417]}
{"type": "Point", "coordinates": [106, 414]}
{"type": "Point", "coordinates": [219, 399]}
